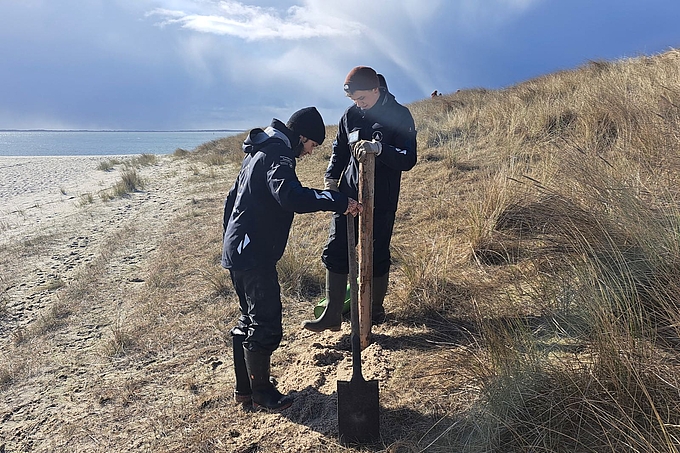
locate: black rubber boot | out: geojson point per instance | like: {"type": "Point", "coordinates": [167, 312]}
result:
{"type": "Point", "coordinates": [265, 395]}
{"type": "Point", "coordinates": [379, 292]}
{"type": "Point", "coordinates": [331, 319]}
{"type": "Point", "coordinates": [242, 391]}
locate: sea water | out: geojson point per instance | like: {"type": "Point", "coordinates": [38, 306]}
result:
{"type": "Point", "coordinates": [87, 143]}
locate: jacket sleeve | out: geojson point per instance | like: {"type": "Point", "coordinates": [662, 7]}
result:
{"type": "Point", "coordinates": [340, 155]}
{"type": "Point", "coordinates": [401, 153]}
{"type": "Point", "coordinates": [229, 205]}
{"type": "Point", "coordinates": [286, 188]}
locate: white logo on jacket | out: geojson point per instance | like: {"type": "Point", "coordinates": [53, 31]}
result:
{"type": "Point", "coordinates": [243, 244]}
{"type": "Point", "coordinates": [325, 195]}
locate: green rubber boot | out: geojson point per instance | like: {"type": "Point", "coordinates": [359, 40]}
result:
{"type": "Point", "coordinates": [379, 292]}
{"type": "Point", "coordinates": [331, 319]}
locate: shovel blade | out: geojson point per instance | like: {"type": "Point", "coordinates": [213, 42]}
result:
{"type": "Point", "coordinates": [358, 412]}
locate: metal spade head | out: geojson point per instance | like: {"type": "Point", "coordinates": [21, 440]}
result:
{"type": "Point", "coordinates": [358, 402]}
{"type": "Point", "coordinates": [358, 411]}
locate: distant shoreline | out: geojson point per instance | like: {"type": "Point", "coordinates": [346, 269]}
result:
{"type": "Point", "coordinates": [122, 130]}
{"type": "Point", "coordinates": [103, 142]}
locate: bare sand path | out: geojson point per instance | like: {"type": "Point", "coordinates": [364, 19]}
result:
{"type": "Point", "coordinates": [61, 242]}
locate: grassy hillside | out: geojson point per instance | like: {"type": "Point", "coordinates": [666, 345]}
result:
{"type": "Point", "coordinates": [534, 301]}
{"type": "Point", "coordinates": [537, 240]}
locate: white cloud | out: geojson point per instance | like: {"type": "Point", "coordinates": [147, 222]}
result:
{"type": "Point", "coordinates": [385, 34]}
{"type": "Point", "coordinates": [254, 23]}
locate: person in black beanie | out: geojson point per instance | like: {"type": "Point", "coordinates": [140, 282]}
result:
{"type": "Point", "coordinates": [258, 213]}
{"type": "Point", "coordinates": [384, 128]}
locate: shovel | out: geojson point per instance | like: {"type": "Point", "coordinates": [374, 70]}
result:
{"type": "Point", "coordinates": [358, 405]}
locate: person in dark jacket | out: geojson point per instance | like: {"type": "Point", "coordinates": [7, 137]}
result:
{"type": "Point", "coordinates": [377, 124]}
{"type": "Point", "coordinates": [258, 213]}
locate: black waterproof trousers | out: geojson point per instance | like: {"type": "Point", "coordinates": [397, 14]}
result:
{"type": "Point", "coordinates": [334, 254]}
{"type": "Point", "coordinates": [259, 296]}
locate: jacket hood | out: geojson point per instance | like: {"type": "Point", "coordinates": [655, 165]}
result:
{"type": "Point", "coordinates": [258, 138]}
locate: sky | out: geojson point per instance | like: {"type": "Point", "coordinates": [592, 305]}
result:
{"type": "Point", "coordinates": [210, 64]}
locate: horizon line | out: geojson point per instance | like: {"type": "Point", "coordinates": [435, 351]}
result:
{"type": "Point", "coordinates": [123, 130]}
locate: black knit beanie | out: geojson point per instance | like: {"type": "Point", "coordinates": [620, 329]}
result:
{"type": "Point", "coordinates": [308, 123]}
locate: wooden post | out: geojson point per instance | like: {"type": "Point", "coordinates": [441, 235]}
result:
{"type": "Point", "coordinates": [366, 194]}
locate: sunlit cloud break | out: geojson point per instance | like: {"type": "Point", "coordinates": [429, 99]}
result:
{"type": "Point", "coordinates": [254, 23]}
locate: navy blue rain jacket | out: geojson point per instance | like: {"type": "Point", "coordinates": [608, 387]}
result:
{"type": "Point", "coordinates": [389, 123]}
{"type": "Point", "coordinates": [259, 209]}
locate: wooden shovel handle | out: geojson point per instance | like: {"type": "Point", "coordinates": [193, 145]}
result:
{"type": "Point", "coordinates": [354, 300]}
{"type": "Point", "coordinates": [366, 195]}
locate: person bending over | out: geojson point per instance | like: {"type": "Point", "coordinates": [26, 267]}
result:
{"type": "Point", "coordinates": [258, 213]}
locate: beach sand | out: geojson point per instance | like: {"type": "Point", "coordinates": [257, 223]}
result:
{"type": "Point", "coordinates": [38, 175]}
{"type": "Point", "coordinates": [34, 190]}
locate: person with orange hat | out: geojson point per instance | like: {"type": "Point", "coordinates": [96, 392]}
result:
{"type": "Point", "coordinates": [258, 214]}
{"type": "Point", "coordinates": [376, 123]}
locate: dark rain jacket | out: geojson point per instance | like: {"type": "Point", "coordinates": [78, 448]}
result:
{"type": "Point", "coordinates": [259, 209]}
{"type": "Point", "coordinates": [388, 122]}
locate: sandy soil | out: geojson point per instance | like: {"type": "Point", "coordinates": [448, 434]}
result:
{"type": "Point", "coordinates": [75, 273]}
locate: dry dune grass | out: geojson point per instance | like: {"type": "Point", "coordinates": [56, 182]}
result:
{"type": "Point", "coordinates": [533, 300]}
{"type": "Point", "coordinates": [537, 243]}
{"type": "Point", "coordinates": [562, 192]}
